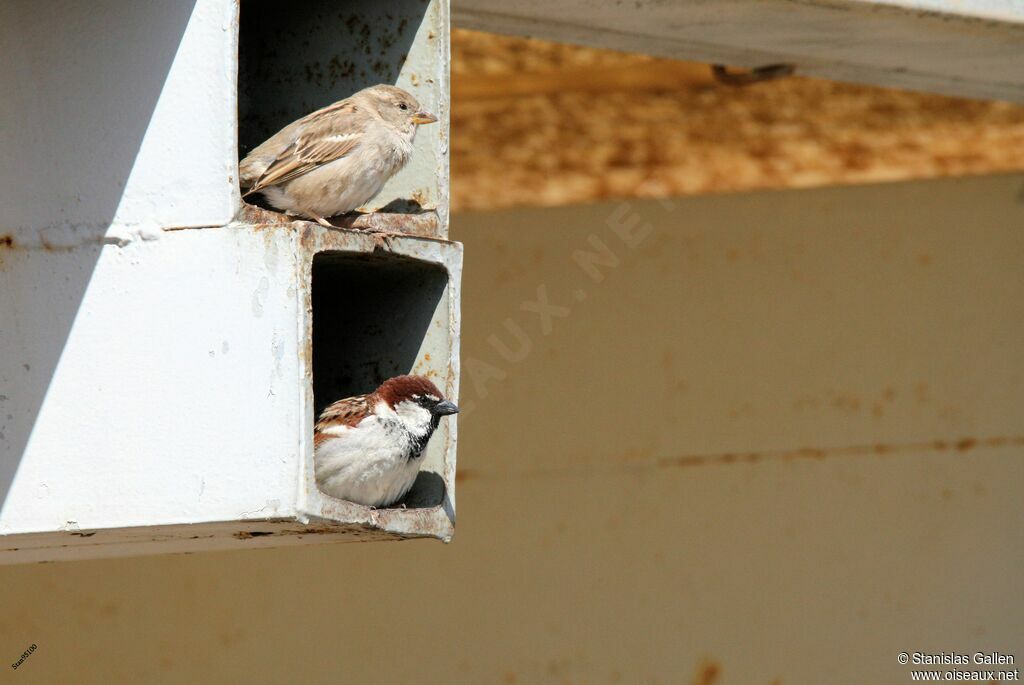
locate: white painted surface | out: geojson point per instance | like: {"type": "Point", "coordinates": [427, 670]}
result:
{"type": "Point", "coordinates": [170, 393]}
{"type": "Point", "coordinates": [119, 117]}
{"type": "Point", "coordinates": [168, 381]}
{"type": "Point", "coordinates": [156, 383]}
{"type": "Point", "coordinates": [425, 74]}
{"type": "Point", "coordinates": [971, 49]}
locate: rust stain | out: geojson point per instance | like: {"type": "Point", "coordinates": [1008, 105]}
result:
{"type": "Point", "coordinates": [357, 531]}
{"type": "Point", "coordinates": [847, 403]}
{"type": "Point", "coordinates": [423, 223]}
{"type": "Point", "coordinates": [7, 241]}
{"type": "Point", "coordinates": [322, 530]}
{"type": "Point", "coordinates": [246, 534]}
{"type": "Point", "coordinates": [962, 445]}
{"type": "Point", "coordinates": [462, 475]}
{"type": "Point", "coordinates": [707, 673]}
{"type": "Point", "coordinates": [966, 444]}
{"type": "Point", "coordinates": [426, 224]}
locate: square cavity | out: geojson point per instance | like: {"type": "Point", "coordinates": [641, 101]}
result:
{"type": "Point", "coordinates": [375, 316]}
{"type": "Point", "coordinates": [294, 58]}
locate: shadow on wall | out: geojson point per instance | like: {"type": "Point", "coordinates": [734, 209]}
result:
{"type": "Point", "coordinates": [79, 94]}
{"type": "Point", "coordinates": [292, 63]}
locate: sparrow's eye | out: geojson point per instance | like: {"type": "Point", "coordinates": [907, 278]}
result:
{"type": "Point", "coordinates": [402, 106]}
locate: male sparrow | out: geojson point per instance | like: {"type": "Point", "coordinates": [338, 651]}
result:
{"type": "Point", "coordinates": [337, 158]}
{"type": "Point", "coordinates": [366, 449]}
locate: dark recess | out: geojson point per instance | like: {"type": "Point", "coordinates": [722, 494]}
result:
{"type": "Point", "coordinates": [296, 57]}
{"type": "Point", "coordinates": [370, 315]}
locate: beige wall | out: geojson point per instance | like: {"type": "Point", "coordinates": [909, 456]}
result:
{"type": "Point", "coordinates": [780, 442]}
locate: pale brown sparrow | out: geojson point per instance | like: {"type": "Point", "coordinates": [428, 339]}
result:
{"type": "Point", "coordinates": [337, 158]}
{"type": "Point", "coordinates": [366, 449]}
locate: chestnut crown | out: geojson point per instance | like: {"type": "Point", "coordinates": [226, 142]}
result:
{"type": "Point", "coordinates": [416, 389]}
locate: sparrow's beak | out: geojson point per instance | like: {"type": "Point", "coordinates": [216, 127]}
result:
{"type": "Point", "coordinates": [425, 117]}
{"type": "Point", "coordinates": [445, 408]}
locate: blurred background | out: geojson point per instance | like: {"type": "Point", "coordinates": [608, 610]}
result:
{"type": "Point", "coordinates": [742, 380]}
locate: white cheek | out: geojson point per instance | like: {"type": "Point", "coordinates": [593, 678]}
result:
{"type": "Point", "coordinates": [416, 418]}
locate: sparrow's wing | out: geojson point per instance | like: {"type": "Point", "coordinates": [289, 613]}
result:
{"type": "Point", "coordinates": [325, 135]}
{"type": "Point", "coordinates": [347, 412]}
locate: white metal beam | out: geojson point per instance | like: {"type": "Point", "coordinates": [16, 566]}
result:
{"type": "Point", "coordinates": [972, 48]}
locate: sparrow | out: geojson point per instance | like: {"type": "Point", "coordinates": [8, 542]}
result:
{"type": "Point", "coordinates": [337, 158]}
{"type": "Point", "coordinates": [366, 449]}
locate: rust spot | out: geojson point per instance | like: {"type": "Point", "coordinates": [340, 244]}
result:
{"type": "Point", "coordinates": [851, 451]}
{"type": "Point", "coordinates": [846, 403]}
{"type": "Point", "coordinates": [877, 411]}
{"type": "Point", "coordinates": [424, 223]}
{"type": "Point", "coordinates": [965, 444]}
{"type": "Point", "coordinates": [683, 462]}
{"type": "Point", "coordinates": [889, 394]}
{"type": "Point", "coordinates": [810, 453]}
{"type": "Point", "coordinates": [462, 475]}
{"type": "Point", "coordinates": [6, 241]}
{"type": "Point", "coordinates": [924, 259]}
{"type": "Point", "coordinates": [707, 673]}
